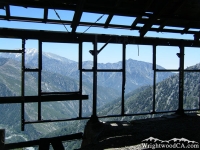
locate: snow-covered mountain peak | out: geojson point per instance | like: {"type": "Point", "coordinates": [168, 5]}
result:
{"type": "Point", "coordinates": [32, 54]}
{"type": "Point", "coordinates": [31, 51]}
{"type": "Point", "coordinates": [58, 58]}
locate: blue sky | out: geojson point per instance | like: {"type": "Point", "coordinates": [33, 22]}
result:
{"type": "Point", "coordinates": [166, 56]}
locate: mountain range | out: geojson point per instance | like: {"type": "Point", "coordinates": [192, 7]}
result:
{"type": "Point", "coordinates": [10, 85]}
{"type": "Point", "coordinates": [61, 74]}
{"type": "Point", "coordinates": [166, 97]}
{"type": "Point", "coordinates": [138, 73]}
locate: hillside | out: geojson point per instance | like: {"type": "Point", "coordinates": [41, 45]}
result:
{"type": "Point", "coordinates": [54, 79]}
{"type": "Point", "coordinates": [138, 73]}
{"type": "Point", "coordinates": [9, 74]}
{"type": "Point", "coordinates": [140, 100]}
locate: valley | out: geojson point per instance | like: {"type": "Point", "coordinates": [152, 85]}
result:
{"type": "Point", "coordinates": [62, 75]}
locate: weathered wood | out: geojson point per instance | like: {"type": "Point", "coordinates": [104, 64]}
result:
{"type": "Point", "coordinates": [57, 145]}
{"type": "Point", "coordinates": [44, 98]}
{"type": "Point", "coordinates": [44, 144]}
{"type": "Point", "coordinates": [2, 138]}
{"type": "Point", "coordinates": [63, 37]}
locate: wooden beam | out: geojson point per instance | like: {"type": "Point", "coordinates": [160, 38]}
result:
{"type": "Point", "coordinates": [108, 20]}
{"type": "Point", "coordinates": [197, 37]}
{"type": "Point", "coordinates": [188, 26]}
{"type": "Point", "coordinates": [77, 15]}
{"type": "Point", "coordinates": [151, 20]}
{"type": "Point", "coordinates": [45, 15]}
{"type": "Point", "coordinates": [178, 8]}
{"type": "Point", "coordinates": [7, 12]}
{"type": "Point", "coordinates": [57, 145]}
{"type": "Point", "coordinates": [44, 144]}
{"type": "Point", "coordinates": [2, 6]}
{"type": "Point", "coordinates": [10, 51]}
{"type": "Point", "coordinates": [148, 5]}
{"type": "Point", "coordinates": [44, 98]}
{"type": "Point", "coordinates": [135, 22]}
{"type": "Point", "coordinates": [2, 138]}
{"type": "Point", "coordinates": [117, 3]}
{"type": "Point", "coordinates": [194, 23]}
{"type": "Point", "coordinates": [185, 29]}
{"type": "Point", "coordinates": [63, 37]}
{"type": "Point", "coordinates": [162, 25]}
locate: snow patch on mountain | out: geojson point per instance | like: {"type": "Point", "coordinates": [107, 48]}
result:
{"type": "Point", "coordinates": [138, 73]}
{"type": "Point", "coordinates": [32, 53]}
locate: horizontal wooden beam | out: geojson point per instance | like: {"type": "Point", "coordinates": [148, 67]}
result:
{"type": "Point", "coordinates": [43, 98]}
{"type": "Point", "coordinates": [93, 7]}
{"type": "Point", "coordinates": [55, 120]}
{"type": "Point", "coordinates": [69, 5]}
{"type": "Point", "coordinates": [63, 37]}
{"type": "Point", "coordinates": [10, 51]}
{"type": "Point", "coordinates": [194, 23]}
{"type": "Point", "coordinates": [102, 70]}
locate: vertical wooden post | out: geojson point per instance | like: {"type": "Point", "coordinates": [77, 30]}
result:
{"type": "Point", "coordinates": [2, 138]}
{"type": "Point", "coordinates": [154, 79]}
{"type": "Point", "coordinates": [123, 75]}
{"type": "Point", "coordinates": [94, 112]}
{"type": "Point", "coordinates": [23, 84]}
{"type": "Point", "coordinates": [39, 78]}
{"type": "Point", "coordinates": [180, 110]}
{"type": "Point", "coordinates": [80, 60]}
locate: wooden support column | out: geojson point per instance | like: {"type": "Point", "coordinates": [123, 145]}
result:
{"type": "Point", "coordinates": [94, 108]}
{"type": "Point", "coordinates": [154, 79]}
{"type": "Point", "coordinates": [180, 110]}
{"type": "Point", "coordinates": [123, 76]}
{"type": "Point", "coordinates": [80, 60]}
{"type": "Point", "coordinates": [39, 78]}
{"type": "Point", "coordinates": [23, 84]}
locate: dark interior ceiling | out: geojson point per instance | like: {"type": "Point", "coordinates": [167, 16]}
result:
{"type": "Point", "coordinates": [181, 15]}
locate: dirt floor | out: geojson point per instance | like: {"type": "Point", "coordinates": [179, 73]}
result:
{"type": "Point", "coordinates": [128, 135]}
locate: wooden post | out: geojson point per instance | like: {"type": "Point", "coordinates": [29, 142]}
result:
{"type": "Point", "coordinates": [180, 110]}
{"type": "Point", "coordinates": [2, 138]}
{"type": "Point", "coordinates": [94, 117]}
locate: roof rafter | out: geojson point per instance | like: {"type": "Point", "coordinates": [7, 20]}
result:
{"type": "Point", "coordinates": [179, 14]}
{"type": "Point", "coordinates": [7, 12]}
{"type": "Point", "coordinates": [151, 20]}
{"type": "Point", "coordinates": [77, 15]}
{"type": "Point", "coordinates": [87, 24]}
{"type": "Point", "coordinates": [185, 29]}
{"type": "Point", "coordinates": [63, 37]}
{"type": "Point", "coordinates": [108, 20]}
{"type": "Point", "coordinates": [135, 22]}
{"type": "Point", "coordinates": [189, 25]}
{"type": "Point", "coordinates": [45, 14]}
{"type": "Point", "coordinates": [2, 6]}
{"type": "Point", "coordinates": [197, 37]}
{"type": "Point", "coordinates": [140, 17]}
{"type": "Point", "coordinates": [111, 14]}
{"type": "Point", "coordinates": [176, 11]}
